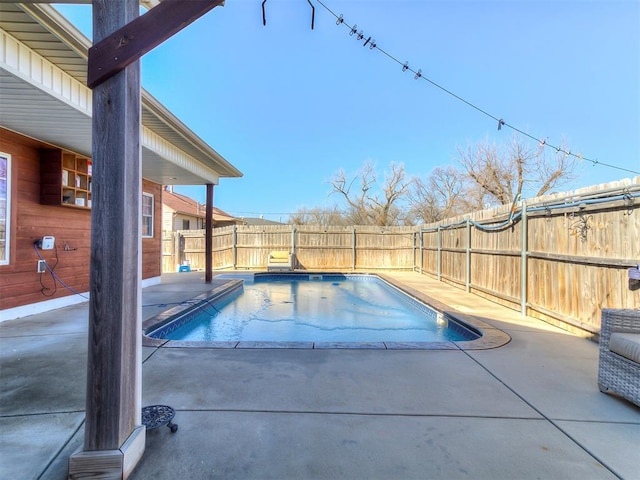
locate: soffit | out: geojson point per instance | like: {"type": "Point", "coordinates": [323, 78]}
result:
{"type": "Point", "coordinates": [45, 31]}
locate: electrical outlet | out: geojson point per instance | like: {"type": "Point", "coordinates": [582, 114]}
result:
{"type": "Point", "coordinates": [42, 266]}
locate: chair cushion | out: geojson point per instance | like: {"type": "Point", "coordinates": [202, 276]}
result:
{"type": "Point", "coordinates": [279, 255]}
{"type": "Point", "coordinates": [626, 345]}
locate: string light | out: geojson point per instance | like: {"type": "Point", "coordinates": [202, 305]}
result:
{"type": "Point", "coordinates": [501, 122]}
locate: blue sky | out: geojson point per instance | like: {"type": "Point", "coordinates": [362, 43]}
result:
{"type": "Point", "coordinates": [290, 106]}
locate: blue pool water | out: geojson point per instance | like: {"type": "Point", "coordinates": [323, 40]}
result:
{"type": "Point", "coordinates": [327, 308]}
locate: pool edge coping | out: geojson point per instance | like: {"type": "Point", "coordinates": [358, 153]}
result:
{"type": "Point", "coordinates": [491, 337]}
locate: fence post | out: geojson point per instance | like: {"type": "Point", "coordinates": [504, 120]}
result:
{"type": "Point", "coordinates": [421, 246]}
{"type": "Point", "coordinates": [177, 251]}
{"type": "Point", "coordinates": [293, 246]}
{"type": "Point", "coordinates": [234, 250]}
{"type": "Point", "coordinates": [353, 248]}
{"type": "Point", "coordinates": [468, 267]}
{"type": "Point", "coordinates": [524, 262]}
{"type": "Point", "coordinates": [439, 255]}
{"type": "Point", "coordinates": [413, 252]}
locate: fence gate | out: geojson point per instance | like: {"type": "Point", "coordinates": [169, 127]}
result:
{"type": "Point", "coordinates": [170, 251]}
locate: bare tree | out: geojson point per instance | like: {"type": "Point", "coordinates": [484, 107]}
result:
{"type": "Point", "coordinates": [369, 203]}
{"type": "Point", "coordinates": [318, 216]}
{"type": "Point", "coordinates": [504, 173]}
{"type": "Point", "coordinates": [440, 196]}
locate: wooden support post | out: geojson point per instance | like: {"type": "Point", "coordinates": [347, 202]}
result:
{"type": "Point", "coordinates": [208, 236]}
{"type": "Point", "coordinates": [114, 438]}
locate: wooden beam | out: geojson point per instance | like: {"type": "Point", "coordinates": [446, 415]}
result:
{"type": "Point", "coordinates": [143, 3]}
{"type": "Point", "coordinates": [208, 236]}
{"type": "Point", "coordinates": [133, 40]}
{"type": "Point", "coordinates": [47, 1]}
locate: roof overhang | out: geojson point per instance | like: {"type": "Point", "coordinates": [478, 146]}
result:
{"type": "Point", "coordinates": [143, 3]}
{"type": "Point", "coordinates": [43, 94]}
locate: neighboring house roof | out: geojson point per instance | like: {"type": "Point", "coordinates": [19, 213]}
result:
{"type": "Point", "coordinates": [43, 69]}
{"type": "Point", "coordinates": [188, 206]}
{"type": "Point", "coordinates": [183, 204]}
{"type": "Point", "coordinates": [220, 216]}
{"type": "Point", "coordinates": [259, 221]}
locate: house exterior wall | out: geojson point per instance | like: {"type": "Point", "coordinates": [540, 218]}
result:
{"type": "Point", "coordinates": [173, 221]}
{"type": "Point", "coordinates": [20, 284]}
{"type": "Point", "coordinates": [152, 247]}
{"type": "Point", "coordinates": [195, 223]}
{"type": "Point", "coordinates": [167, 218]}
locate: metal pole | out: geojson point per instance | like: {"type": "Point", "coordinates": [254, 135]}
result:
{"type": "Point", "coordinates": [439, 254]}
{"type": "Point", "coordinates": [234, 250]}
{"type": "Point", "coordinates": [468, 268]}
{"type": "Point", "coordinates": [413, 252]}
{"type": "Point", "coordinates": [421, 245]}
{"type": "Point", "coordinates": [293, 246]}
{"type": "Point", "coordinates": [523, 262]}
{"type": "Point", "coordinates": [353, 248]}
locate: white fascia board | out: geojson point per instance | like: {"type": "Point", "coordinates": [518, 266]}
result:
{"type": "Point", "coordinates": [173, 154]}
{"type": "Point", "coordinates": [24, 63]}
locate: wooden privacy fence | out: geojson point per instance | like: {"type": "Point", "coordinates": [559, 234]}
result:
{"type": "Point", "coordinates": [559, 258]}
{"type": "Point", "coordinates": [247, 247]}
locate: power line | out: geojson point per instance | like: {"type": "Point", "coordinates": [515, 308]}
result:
{"type": "Point", "coordinates": [418, 75]}
{"type": "Point", "coordinates": [236, 212]}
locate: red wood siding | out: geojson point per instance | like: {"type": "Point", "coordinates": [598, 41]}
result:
{"type": "Point", "coordinates": [30, 220]}
{"type": "Point", "coordinates": [152, 247]}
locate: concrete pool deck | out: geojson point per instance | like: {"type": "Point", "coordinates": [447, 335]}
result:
{"type": "Point", "coordinates": [529, 409]}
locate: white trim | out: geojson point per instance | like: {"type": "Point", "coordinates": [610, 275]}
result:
{"type": "Point", "coordinates": [151, 281]}
{"type": "Point", "coordinates": [153, 214]}
{"type": "Point", "coordinates": [48, 305]}
{"type": "Point", "coordinates": [173, 154]}
{"type": "Point", "coordinates": [7, 245]}
{"type": "Point", "coordinates": [41, 307]}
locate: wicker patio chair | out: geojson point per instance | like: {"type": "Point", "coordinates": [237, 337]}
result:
{"type": "Point", "coordinates": [619, 365]}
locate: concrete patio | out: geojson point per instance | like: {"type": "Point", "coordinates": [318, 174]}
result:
{"type": "Point", "coordinates": [530, 409]}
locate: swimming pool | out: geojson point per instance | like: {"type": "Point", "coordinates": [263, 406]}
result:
{"type": "Point", "coordinates": [316, 308]}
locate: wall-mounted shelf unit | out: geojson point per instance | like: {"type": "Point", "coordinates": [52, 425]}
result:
{"type": "Point", "coordinates": [65, 179]}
